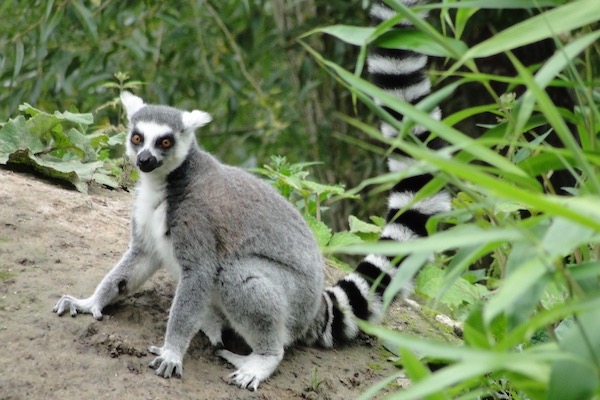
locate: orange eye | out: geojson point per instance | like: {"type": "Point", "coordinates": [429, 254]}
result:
{"type": "Point", "coordinates": [136, 138]}
{"type": "Point", "coordinates": [166, 143]}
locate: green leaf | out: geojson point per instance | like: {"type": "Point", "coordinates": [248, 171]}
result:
{"type": "Point", "coordinates": [522, 287]}
{"type": "Point", "coordinates": [552, 23]}
{"type": "Point", "coordinates": [551, 68]}
{"type": "Point", "coordinates": [14, 136]}
{"type": "Point", "coordinates": [118, 139]}
{"type": "Point", "coordinates": [344, 238]}
{"type": "Point", "coordinates": [103, 179]}
{"type": "Point", "coordinates": [450, 134]}
{"type": "Point", "coordinates": [42, 143]}
{"type": "Point", "coordinates": [459, 236]}
{"type": "Point", "coordinates": [504, 4]}
{"type": "Point", "coordinates": [19, 56]}
{"type": "Point", "coordinates": [475, 331]}
{"type": "Point", "coordinates": [563, 236]}
{"type": "Point", "coordinates": [430, 280]}
{"type": "Point", "coordinates": [359, 226]}
{"type": "Point", "coordinates": [321, 231]}
{"type": "Point", "coordinates": [84, 119]}
{"type": "Point", "coordinates": [319, 188]}
{"type": "Point", "coordinates": [87, 19]}
{"type": "Point", "coordinates": [403, 278]}
{"type": "Point", "coordinates": [421, 43]}
{"type": "Point", "coordinates": [581, 372]}
{"type": "Point", "coordinates": [417, 371]}
{"type": "Point", "coordinates": [355, 35]}
{"type": "Point", "coordinates": [74, 171]}
{"type": "Point", "coordinates": [556, 120]}
{"type": "Point", "coordinates": [469, 362]}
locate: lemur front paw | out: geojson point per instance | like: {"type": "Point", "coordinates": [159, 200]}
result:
{"type": "Point", "coordinates": [75, 305]}
{"type": "Point", "coordinates": [168, 363]}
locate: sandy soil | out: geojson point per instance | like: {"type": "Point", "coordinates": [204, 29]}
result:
{"type": "Point", "coordinates": [56, 241]}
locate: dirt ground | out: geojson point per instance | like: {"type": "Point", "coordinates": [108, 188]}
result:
{"type": "Point", "coordinates": [56, 241]}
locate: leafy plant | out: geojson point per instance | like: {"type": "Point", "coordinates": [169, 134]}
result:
{"type": "Point", "coordinates": [539, 250]}
{"type": "Point", "coordinates": [58, 145]}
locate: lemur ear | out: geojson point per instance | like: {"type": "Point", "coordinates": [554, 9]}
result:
{"type": "Point", "coordinates": [195, 119]}
{"type": "Point", "coordinates": [131, 102]}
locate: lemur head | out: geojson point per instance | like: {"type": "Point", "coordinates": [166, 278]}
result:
{"type": "Point", "coordinates": [159, 136]}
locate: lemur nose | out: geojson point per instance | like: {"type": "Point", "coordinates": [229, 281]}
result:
{"type": "Point", "coordinates": [146, 162]}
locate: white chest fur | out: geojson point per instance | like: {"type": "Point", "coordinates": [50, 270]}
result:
{"type": "Point", "coordinates": [150, 215]}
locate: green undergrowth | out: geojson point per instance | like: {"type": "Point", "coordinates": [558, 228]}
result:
{"type": "Point", "coordinates": [61, 145]}
{"type": "Point", "coordinates": [517, 259]}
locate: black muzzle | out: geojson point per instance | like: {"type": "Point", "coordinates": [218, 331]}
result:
{"type": "Point", "coordinates": [146, 162]}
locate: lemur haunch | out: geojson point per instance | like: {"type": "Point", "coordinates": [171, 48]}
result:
{"type": "Point", "coordinates": [243, 256]}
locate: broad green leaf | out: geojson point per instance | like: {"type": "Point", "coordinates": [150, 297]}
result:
{"type": "Point", "coordinates": [395, 39]}
{"type": "Point", "coordinates": [42, 143]}
{"type": "Point", "coordinates": [75, 172]}
{"type": "Point", "coordinates": [84, 119]}
{"type": "Point", "coordinates": [430, 280]}
{"type": "Point", "coordinates": [417, 371]}
{"type": "Point", "coordinates": [563, 236]}
{"type": "Point", "coordinates": [14, 136]}
{"type": "Point", "coordinates": [344, 238]}
{"type": "Point", "coordinates": [556, 120]}
{"type": "Point", "coordinates": [358, 226]}
{"type": "Point", "coordinates": [321, 231]}
{"type": "Point", "coordinates": [475, 331]}
{"type": "Point", "coordinates": [460, 236]}
{"type": "Point", "coordinates": [464, 258]}
{"type": "Point", "coordinates": [421, 43]}
{"type": "Point", "coordinates": [552, 23]}
{"type": "Point", "coordinates": [586, 274]}
{"type": "Point", "coordinates": [118, 139]}
{"type": "Point", "coordinates": [19, 56]}
{"type": "Point", "coordinates": [402, 280]}
{"type": "Point", "coordinates": [500, 5]}
{"type": "Point", "coordinates": [522, 286]}
{"type": "Point", "coordinates": [355, 35]}
{"type": "Point", "coordinates": [470, 362]}
{"type": "Point", "coordinates": [555, 205]}
{"type": "Point", "coordinates": [104, 179]}
{"type": "Point", "coordinates": [87, 19]}
{"type": "Point", "coordinates": [581, 373]}
{"type": "Point", "coordinates": [551, 68]}
{"type": "Point", "coordinates": [547, 317]}
{"type": "Point", "coordinates": [450, 134]}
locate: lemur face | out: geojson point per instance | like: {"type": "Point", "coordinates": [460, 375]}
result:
{"type": "Point", "coordinates": [160, 136]}
{"type": "Point", "coordinates": [151, 144]}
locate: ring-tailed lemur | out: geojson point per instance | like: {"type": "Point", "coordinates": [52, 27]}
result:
{"type": "Point", "coordinates": [243, 257]}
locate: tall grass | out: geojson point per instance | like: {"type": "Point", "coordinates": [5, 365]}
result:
{"type": "Point", "coordinates": [532, 332]}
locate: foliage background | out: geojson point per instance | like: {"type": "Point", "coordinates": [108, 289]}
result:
{"type": "Point", "coordinates": [239, 60]}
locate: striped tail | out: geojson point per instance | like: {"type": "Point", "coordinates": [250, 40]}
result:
{"type": "Point", "coordinates": [402, 74]}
